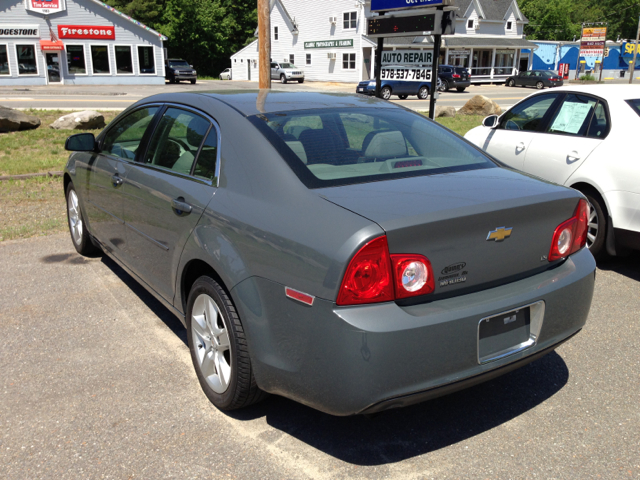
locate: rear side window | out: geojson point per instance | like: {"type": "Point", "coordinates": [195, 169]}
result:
{"type": "Point", "coordinates": [574, 115]}
{"type": "Point", "coordinates": [357, 145]}
{"type": "Point", "coordinates": [635, 104]}
{"type": "Point", "coordinates": [123, 139]}
{"type": "Point", "coordinates": [528, 115]}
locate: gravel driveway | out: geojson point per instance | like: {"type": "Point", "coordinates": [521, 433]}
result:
{"type": "Point", "coordinates": [97, 382]}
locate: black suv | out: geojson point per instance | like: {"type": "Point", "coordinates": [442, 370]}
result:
{"type": "Point", "coordinates": [176, 69]}
{"type": "Point", "coordinates": [450, 76]}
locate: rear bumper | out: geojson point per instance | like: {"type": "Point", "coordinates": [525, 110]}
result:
{"type": "Point", "coordinates": [349, 360]}
{"type": "Point", "coordinates": [461, 84]}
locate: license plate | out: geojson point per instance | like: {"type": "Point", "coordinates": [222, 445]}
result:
{"type": "Point", "coordinates": [361, 89]}
{"type": "Point", "coordinates": [504, 334]}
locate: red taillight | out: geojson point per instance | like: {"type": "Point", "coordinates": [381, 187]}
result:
{"type": "Point", "coordinates": [571, 236]}
{"type": "Point", "coordinates": [413, 275]}
{"type": "Point", "coordinates": [368, 277]}
{"type": "Point", "coordinates": [455, 75]}
{"type": "Point", "coordinates": [375, 276]}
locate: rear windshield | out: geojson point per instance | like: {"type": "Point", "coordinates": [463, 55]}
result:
{"type": "Point", "coordinates": [329, 147]}
{"type": "Point", "coordinates": [635, 104]}
{"type": "Point", "coordinates": [549, 74]}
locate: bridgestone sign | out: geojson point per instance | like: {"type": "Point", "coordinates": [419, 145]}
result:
{"type": "Point", "coordinates": [19, 31]}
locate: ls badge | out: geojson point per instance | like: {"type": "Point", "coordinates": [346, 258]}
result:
{"type": "Point", "coordinates": [499, 234]}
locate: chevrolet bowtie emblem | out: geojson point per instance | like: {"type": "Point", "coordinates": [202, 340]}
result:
{"type": "Point", "coordinates": [499, 234]}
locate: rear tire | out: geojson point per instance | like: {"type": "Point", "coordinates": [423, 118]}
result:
{"type": "Point", "coordinates": [219, 349]}
{"type": "Point", "coordinates": [461, 89]}
{"type": "Point", "coordinates": [423, 93]}
{"type": "Point", "coordinates": [444, 87]}
{"type": "Point", "coordinates": [385, 93]}
{"type": "Point", "coordinates": [77, 228]}
{"type": "Point", "coordinates": [511, 83]}
{"type": "Point", "coordinates": [597, 227]}
{"type": "Point", "coordinates": [539, 85]}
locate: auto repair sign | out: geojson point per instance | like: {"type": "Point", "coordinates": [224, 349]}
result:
{"type": "Point", "coordinates": [45, 7]}
{"type": "Point", "coordinates": [87, 31]}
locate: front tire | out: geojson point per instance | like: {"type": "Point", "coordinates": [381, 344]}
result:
{"type": "Point", "coordinates": [539, 85]}
{"type": "Point", "coordinates": [283, 79]}
{"type": "Point", "coordinates": [461, 89]}
{"type": "Point", "coordinates": [511, 83]}
{"type": "Point", "coordinates": [193, 82]}
{"type": "Point", "coordinates": [423, 93]}
{"type": "Point", "coordinates": [77, 228]}
{"type": "Point", "coordinates": [385, 93]}
{"type": "Point", "coordinates": [219, 348]}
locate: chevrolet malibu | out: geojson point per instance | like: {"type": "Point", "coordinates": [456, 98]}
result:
{"type": "Point", "coordinates": [338, 250]}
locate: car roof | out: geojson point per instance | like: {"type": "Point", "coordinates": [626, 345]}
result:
{"type": "Point", "coordinates": [245, 101]}
{"type": "Point", "coordinates": [609, 92]}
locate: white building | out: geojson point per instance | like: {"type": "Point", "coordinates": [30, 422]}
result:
{"type": "Point", "coordinates": [328, 40]}
{"type": "Point", "coordinates": [79, 42]}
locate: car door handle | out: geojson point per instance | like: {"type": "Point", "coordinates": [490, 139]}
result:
{"type": "Point", "coordinates": [520, 146]}
{"type": "Point", "coordinates": [116, 181]}
{"type": "Point", "coordinates": [573, 156]}
{"type": "Point", "coordinates": [180, 207]}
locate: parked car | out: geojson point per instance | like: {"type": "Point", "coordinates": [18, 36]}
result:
{"type": "Point", "coordinates": [286, 72]}
{"type": "Point", "coordinates": [401, 88]}
{"type": "Point", "coordinates": [451, 76]}
{"type": "Point", "coordinates": [367, 259]}
{"type": "Point", "coordinates": [578, 137]}
{"type": "Point", "coordinates": [177, 69]}
{"type": "Point", "coordinates": [535, 78]}
{"type": "Point", "coordinates": [226, 74]}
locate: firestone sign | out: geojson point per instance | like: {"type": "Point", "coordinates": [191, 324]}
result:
{"type": "Point", "coordinates": [86, 31]}
{"type": "Point", "coordinates": [46, 7]}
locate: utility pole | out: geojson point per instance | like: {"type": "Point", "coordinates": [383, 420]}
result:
{"type": "Point", "coordinates": [264, 44]}
{"type": "Point", "coordinates": [632, 67]}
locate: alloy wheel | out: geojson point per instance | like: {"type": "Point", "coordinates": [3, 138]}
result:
{"type": "Point", "coordinates": [75, 218]}
{"type": "Point", "coordinates": [212, 346]}
{"type": "Point", "coordinates": [593, 226]}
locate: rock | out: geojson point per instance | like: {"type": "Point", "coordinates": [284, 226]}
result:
{"type": "Point", "coordinates": [13, 120]}
{"type": "Point", "coordinates": [480, 105]}
{"type": "Point", "coordinates": [445, 112]}
{"type": "Point", "coordinates": [87, 120]}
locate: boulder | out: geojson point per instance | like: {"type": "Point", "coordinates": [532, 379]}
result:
{"type": "Point", "coordinates": [87, 120]}
{"type": "Point", "coordinates": [480, 105]}
{"type": "Point", "coordinates": [13, 120]}
{"type": "Point", "coordinates": [445, 112]}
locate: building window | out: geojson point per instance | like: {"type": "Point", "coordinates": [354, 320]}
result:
{"type": "Point", "coordinates": [124, 63]}
{"type": "Point", "coordinates": [27, 64]}
{"type": "Point", "coordinates": [470, 23]}
{"type": "Point", "coordinates": [75, 60]}
{"type": "Point", "coordinates": [308, 59]}
{"type": "Point", "coordinates": [292, 59]}
{"type": "Point", "coordinates": [509, 25]}
{"type": "Point", "coordinates": [349, 61]}
{"type": "Point", "coordinates": [146, 61]}
{"type": "Point", "coordinates": [100, 60]}
{"type": "Point", "coordinates": [275, 33]}
{"type": "Point", "coordinates": [4, 61]}
{"type": "Point", "coordinates": [349, 20]}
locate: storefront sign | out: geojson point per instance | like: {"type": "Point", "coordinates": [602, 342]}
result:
{"type": "Point", "coordinates": [14, 30]}
{"type": "Point", "coordinates": [329, 44]}
{"type": "Point", "coordinates": [406, 74]}
{"type": "Point", "coordinates": [459, 53]}
{"type": "Point", "coordinates": [628, 49]}
{"type": "Point", "coordinates": [563, 70]}
{"type": "Point", "coordinates": [384, 5]}
{"type": "Point", "coordinates": [45, 7]}
{"type": "Point", "coordinates": [407, 57]}
{"type": "Point", "coordinates": [593, 41]}
{"type": "Point", "coordinates": [48, 45]}
{"type": "Point", "coordinates": [87, 31]}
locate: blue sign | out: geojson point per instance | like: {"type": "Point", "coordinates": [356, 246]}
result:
{"type": "Point", "coordinates": [384, 5]}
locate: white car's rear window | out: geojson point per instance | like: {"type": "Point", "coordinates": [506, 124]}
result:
{"type": "Point", "coordinates": [635, 104]}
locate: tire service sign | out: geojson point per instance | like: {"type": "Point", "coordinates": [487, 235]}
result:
{"type": "Point", "coordinates": [46, 7]}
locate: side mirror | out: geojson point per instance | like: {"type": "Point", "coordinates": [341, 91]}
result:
{"type": "Point", "coordinates": [81, 142]}
{"type": "Point", "coordinates": [490, 122]}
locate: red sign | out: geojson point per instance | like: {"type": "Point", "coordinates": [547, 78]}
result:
{"type": "Point", "coordinates": [45, 7]}
{"type": "Point", "coordinates": [50, 45]}
{"type": "Point", "coordinates": [563, 70]}
{"type": "Point", "coordinates": [86, 31]}
{"type": "Point", "coordinates": [45, 4]}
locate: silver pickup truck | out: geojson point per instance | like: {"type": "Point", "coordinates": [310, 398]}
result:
{"type": "Point", "coordinates": [286, 72]}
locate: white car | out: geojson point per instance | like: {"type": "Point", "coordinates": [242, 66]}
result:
{"type": "Point", "coordinates": [580, 137]}
{"type": "Point", "coordinates": [226, 74]}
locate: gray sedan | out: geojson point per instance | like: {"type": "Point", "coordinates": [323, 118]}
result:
{"type": "Point", "coordinates": [338, 250]}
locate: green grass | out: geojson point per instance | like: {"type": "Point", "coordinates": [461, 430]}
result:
{"type": "Point", "coordinates": [460, 124]}
{"type": "Point", "coordinates": [39, 150]}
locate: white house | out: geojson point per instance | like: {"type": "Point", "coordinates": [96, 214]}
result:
{"type": "Point", "coordinates": [328, 40]}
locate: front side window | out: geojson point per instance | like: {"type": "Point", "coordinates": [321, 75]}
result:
{"type": "Point", "coordinates": [349, 61]}
{"type": "Point", "coordinates": [75, 60]}
{"type": "Point", "coordinates": [349, 20]}
{"type": "Point", "coordinates": [176, 140]}
{"type": "Point", "coordinates": [4, 60]}
{"type": "Point", "coordinates": [573, 116]}
{"type": "Point", "coordinates": [146, 61]}
{"type": "Point", "coordinates": [529, 115]}
{"type": "Point", "coordinates": [124, 63]}
{"type": "Point", "coordinates": [330, 147]}
{"type": "Point", "coordinates": [27, 63]}
{"type": "Point", "coordinates": [123, 139]}
{"type": "Point", "coordinates": [100, 59]}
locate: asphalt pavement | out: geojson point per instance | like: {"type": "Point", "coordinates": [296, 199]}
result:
{"type": "Point", "coordinates": [118, 97]}
{"type": "Point", "coordinates": [96, 382]}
